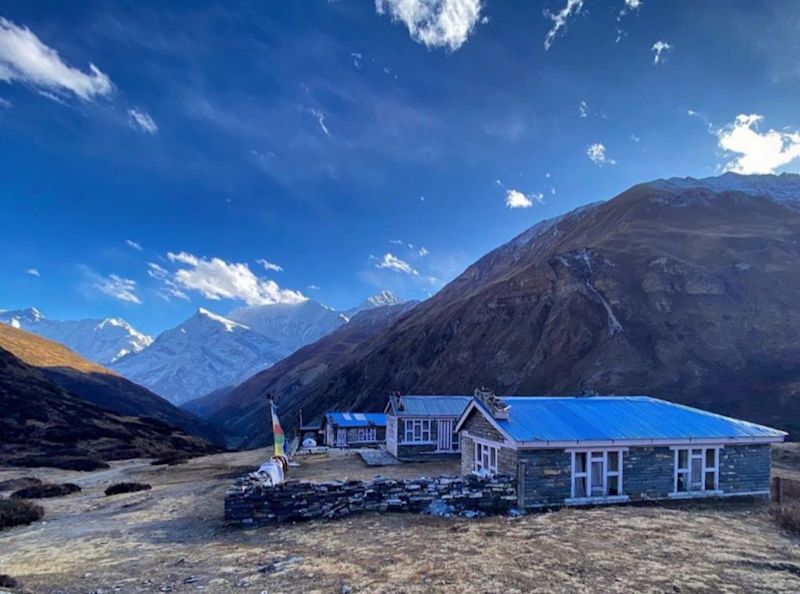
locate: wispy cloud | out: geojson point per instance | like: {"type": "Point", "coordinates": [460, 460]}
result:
{"type": "Point", "coordinates": [168, 289]}
{"type": "Point", "coordinates": [320, 120]}
{"type": "Point", "coordinates": [33, 272]}
{"type": "Point", "coordinates": [759, 152]}
{"type": "Point", "coordinates": [142, 121]}
{"type": "Point", "coordinates": [435, 23]}
{"type": "Point", "coordinates": [597, 153]}
{"type": "Point", "coordinates": [560, 20]}
{"type": "Point", "coordinates": [423, 251]}
{"type": "Point", "coordinates": [313, 287]}
{"type": "Point", "coordinates": [25, 59]}
{"type": "Point", "coordinates": [135, 245]}
{"type": "Point", "coordinates": [583, 109]}
{"type": "Point", "coordinates": [392, 262]}
{"type": "Point", "coordinates": [215, 278]}
{"type": "Point", "coordinates": [660, 48]}
{"type": "Point", "coordinates": [630, 6]}
{"type": "Point", "coordinates": [123, 289]}
{"type": "Point", "coordinates": [270, 265]}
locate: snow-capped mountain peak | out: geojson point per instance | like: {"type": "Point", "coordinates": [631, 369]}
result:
{"type": "Point", "coordinates": [382, 299]}
{"type": "Point", "coordinates": [100, 340]}
{"type": "Point", "coordinates": [784, 188]}
{"type": "Point", "coordinates": [229, 325]}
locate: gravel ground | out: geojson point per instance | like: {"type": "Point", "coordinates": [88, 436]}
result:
{"type": "Point", "coordinates": [171, 539]}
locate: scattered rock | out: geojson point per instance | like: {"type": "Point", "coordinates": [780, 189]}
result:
{"type": "Point", "coordinates": [46, 490]}
{"type": "Point", "coordinates": [345, 589]}
{"type": "Point", "coordinates": [6, 581]}
{"type": "Point", "coordinates": [119, 488]}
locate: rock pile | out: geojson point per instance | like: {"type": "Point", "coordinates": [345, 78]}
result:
{"type": "Point", "coordinates": [252, 502]}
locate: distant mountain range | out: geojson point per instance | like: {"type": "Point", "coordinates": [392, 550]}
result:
{"type": "Point", "coordinates": [682, 289]}
{"type": "Point", "coordinates": [205, 353]}
{"type": "Point", "coordinates": [101, 340]}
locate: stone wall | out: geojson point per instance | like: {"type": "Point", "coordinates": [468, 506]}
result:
{"type": "Point", "coordinates": [547, 478]}
{"type": "Point", "coordinates": [477, 426]}
{"type": "Point", "coordinates": [252, 503]}
{"type": "Point", "coordinates": [648, 472]}
{"type": "Point", "coordinates": [744, 468]}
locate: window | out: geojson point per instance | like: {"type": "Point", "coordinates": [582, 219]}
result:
{"type": "Point", "coordinates": [417, 430]}
{"type": "Point", "coordinates": [486, 458]}
{"type": "Point", "coordinates": [367, 434]}
{"type": "Point", "coordinates": [696, 469]}
{"type": "Point", "coordinates": [596, 473]}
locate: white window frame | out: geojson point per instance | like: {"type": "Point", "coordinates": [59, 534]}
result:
{"type": "Point", "coordinates": [410, 431]}
{"type": "Point", "coordinates": [597, 455]}
{"type": "Point", "coordinates": [492, 453]}
{"type": "Point", "coordinates": [366, 434]}
{"type": "Point", "coordinates": [687, 471]}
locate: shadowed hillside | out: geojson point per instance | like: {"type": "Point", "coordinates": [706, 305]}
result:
{"type": "Point", "coordinates": [98, 385]}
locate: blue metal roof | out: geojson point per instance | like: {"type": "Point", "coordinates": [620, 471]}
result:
{"type": "Point", "coordinates": [356, 419]}
{"type": "Point", "coordinates": [606, 418]}
{"type": "Point", "coordinates": [434, 406]}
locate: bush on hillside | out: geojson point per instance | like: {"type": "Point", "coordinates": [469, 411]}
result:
{"type": "Point", "coordinates": [45, 490]}
{"type": "Point", "coordinates": [119, 488]}
{"type": "Point", "coordinates": [19, 483]}
{"type": "Point", "coordinates": [787, 516]}
{"type": "Point", "coordinates": [18, 513]}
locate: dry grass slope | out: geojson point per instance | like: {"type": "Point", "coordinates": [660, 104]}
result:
{"type": "Point", "coordinates": [40, 352]}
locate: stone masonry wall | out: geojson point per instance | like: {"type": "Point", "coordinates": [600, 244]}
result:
{"type": "Point", "coordinates": [252, 503]}
{"type": "Point", "coordinates": [744, 468]}
{"type": "Point", "coordinates": [477, 426]}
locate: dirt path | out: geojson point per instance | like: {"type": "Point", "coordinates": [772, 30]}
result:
{"type": "Point", "coordinates": [171, 539]}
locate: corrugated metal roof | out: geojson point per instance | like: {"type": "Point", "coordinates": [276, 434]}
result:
{"type": "Point", "coordinates": [348, 419]}
{"type": "Point", "coordinates": [604, 418]}
{"type": "Point", "coordinates": [434, 406]}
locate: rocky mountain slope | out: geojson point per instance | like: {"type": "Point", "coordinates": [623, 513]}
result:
{"type": "Point", "coordinates": [101, 340]}
{"type": "Point", "coordinates": [243, 412]}
{"type": "Point", "coordinates": [200, 355]}
{"type": "Point", "coordinates": [682, 289]}
{"type": "Point", "coordinates": [93, 383]}
{"type": "Point", "coordinates": [43, 424]}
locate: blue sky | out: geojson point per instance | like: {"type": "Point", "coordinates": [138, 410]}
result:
{"type": "Point", "coordinates": [153, 153]}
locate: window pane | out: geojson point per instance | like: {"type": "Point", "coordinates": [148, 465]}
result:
{"type": "Point", "coordinates": [682, 482]}
{"type": "Point", "coordinates": [697, 471]}
{"type": "Point", "coordinates": [613, 461]}
{"type": "Point", "coordinates": [493, 457]}
{"type": "Point", "coordinates": [683, 459]}
{"type": "Point", "coordinates": [580, 462]}
{"type": "Point", "coordinates": [613, 485]}
{"type": "Point", "coordinates": [580, 487]}
{"type": "Point", "coordinates": [710, 481]}
{"type": "Point", "coordinates": [597, 479]}
{"type": "Point", "coordinates": [710, 458]}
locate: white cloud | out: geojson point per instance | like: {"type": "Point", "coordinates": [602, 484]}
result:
{"type": "Point", "coordinates": [597, 153]}
{"type": "Point", "coordinates": [635, 138]}
{"type": "Point", "coordinates": [516, 199]}
{"type": "Point", "coordinates": [134, 245]}
{"type": "Point", "coordinates": [5, 103]}
{"type": "Point", "coordinates": [760, 152]}
{"type": "Point", "coordinates": [313, 287]}
{"type": "Point", "coordinates": [142, 121]}
{"type": "Point", "coordinates": [560, 19]}
{"type": "Point", "coordinates": [660, 48]}
{"type": "Point", "coordinates": [24, 58]}
{"type": "Point", "coordinates": [356, 57]}
{"type": "Point", "coordinates": [169, 289]}
{"type": "Point", "coordinates": [392, 262]}
{"type": "Point", "coordinates": [423, 251]}
{"type": "Point", "coordinates": [33, 272]}
{"type": "Point", "coordinates": [120, 288]}
{"type": "Point", "coordinates": [217, 279]}
{"type": "Point", "coordinates": [320, 120]}
{"type": "Point", "coordinates": [270, 265]}
{"type": "Point", "coordinates": [583, 109]}
{"type": "Point", "coordinates": [630, 6]}
{"type": "Point", "coordinates": [435, 23]}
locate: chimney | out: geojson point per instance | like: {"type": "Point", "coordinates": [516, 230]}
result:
{"type": "Point", "coordinates": [497, 408]}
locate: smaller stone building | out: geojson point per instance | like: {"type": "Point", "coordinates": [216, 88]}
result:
{"type": "Point", "coordinates": [353, 429]}
{"type": "Point", "coordinates": [420, 427]}
{"type": "Point", "coordinates": [610, 449]}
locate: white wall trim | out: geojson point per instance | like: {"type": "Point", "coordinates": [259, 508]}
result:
{"type": "Point", "coordinates": [487, 442]}
{"type": "Point", "coordinates": [615, 443]}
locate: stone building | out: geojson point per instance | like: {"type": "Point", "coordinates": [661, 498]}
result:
{"type": "Point", "coordinates": [420, 427]}
{"type": "Point", "coordinates": [353, 429]}
{"type": "Point", "coordinates": [592, 450]}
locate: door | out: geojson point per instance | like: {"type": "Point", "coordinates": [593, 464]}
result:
{"type": "Point", "coordinates": [341, 438]}
{"type": "Point", "coordinates": [444, 436]}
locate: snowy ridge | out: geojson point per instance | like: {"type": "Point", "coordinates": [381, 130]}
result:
{"type": "Point", "coordinates": [101, 340]}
